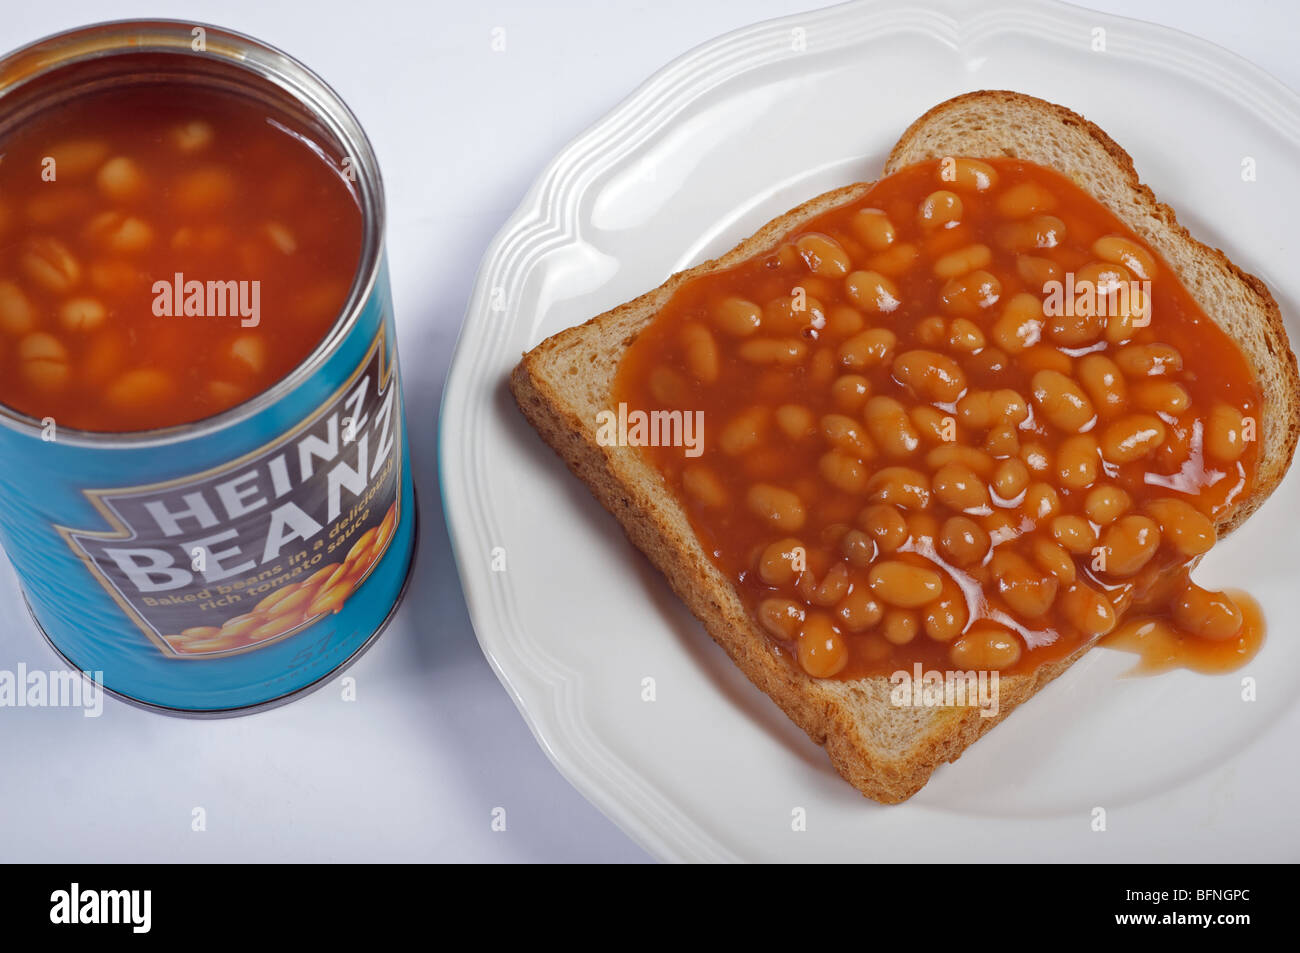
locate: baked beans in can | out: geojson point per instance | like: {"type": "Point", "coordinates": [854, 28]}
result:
{"type": "Point", "coordinates": [205, 487]}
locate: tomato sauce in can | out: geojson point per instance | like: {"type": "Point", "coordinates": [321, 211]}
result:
{"type": "Point", "coordinates": [205, 488]}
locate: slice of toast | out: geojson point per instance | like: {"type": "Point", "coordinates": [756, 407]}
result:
{"type": "Point", "coordinates": [887, 752]}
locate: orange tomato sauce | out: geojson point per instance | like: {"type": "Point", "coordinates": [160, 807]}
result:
{"type": "Point", "coordinates": [910, 455]}
{"type": "Point", "coordinates": [107, 199]}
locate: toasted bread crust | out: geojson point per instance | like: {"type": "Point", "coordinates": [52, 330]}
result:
{"type": "Point", "coordinates": [887, 753]}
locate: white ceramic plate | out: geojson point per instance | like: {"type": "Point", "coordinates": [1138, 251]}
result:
{"type": "Point", "coordinates": [727, 137]}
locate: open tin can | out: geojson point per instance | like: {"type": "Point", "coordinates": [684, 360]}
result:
{"type": "Point", "coordinates": [227, 563]}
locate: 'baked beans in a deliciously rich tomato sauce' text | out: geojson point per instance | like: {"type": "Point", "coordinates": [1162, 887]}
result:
{"type": "Point", "coordinates": [968, 420]}
{"type": "Point", "coordinates": [204, 484]}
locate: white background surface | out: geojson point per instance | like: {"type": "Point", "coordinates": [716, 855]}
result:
{"type": "Point", "coordinates": [413, 769]}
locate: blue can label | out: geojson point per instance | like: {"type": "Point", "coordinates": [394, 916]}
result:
{"type": "Point", "coordinates": [227, 564]}
{"type": "Point", "coordinates": [239, 557]}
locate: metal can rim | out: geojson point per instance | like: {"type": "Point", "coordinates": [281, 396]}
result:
{"type": "Point", "coordinates": [241, 52]}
